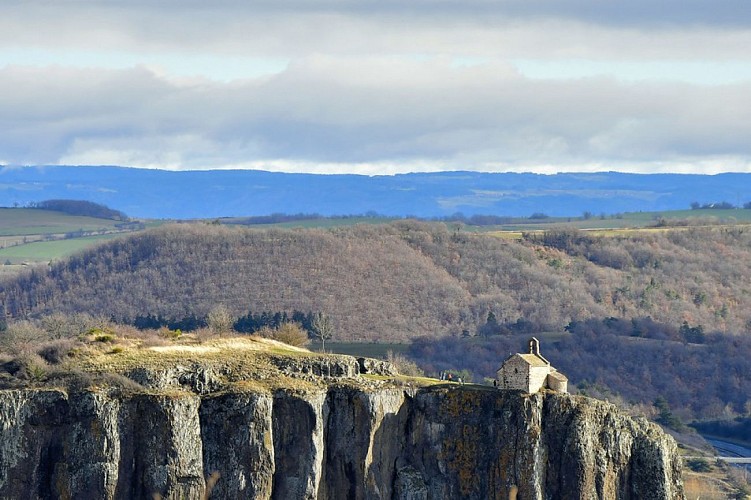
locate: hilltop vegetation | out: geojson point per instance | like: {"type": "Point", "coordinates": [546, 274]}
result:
{"type": "Point", "coordinates": [399, 281]}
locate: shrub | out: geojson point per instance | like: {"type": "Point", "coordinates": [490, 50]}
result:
{"type": "Point", "coordinates": [59, 326]}
{"type": "Point", "coordinates": [71, 380]}
{"type": "Point", "coordinates": [203, 334]}
{"type": "Point", "coordinates": [29, 367]}
{"type": "Point", "coordinates": [170, 334]}
{"type": "Point", "coordinates": [698, 465]}
{"type": "Point", "coordinates": [265, 332]}
{"type": "Point", "coordinates": [404, 365]}
{"type": "Point", "coordinates": [78, 381]}
{"type": "Point", "coordinates": [22, 337]}
{"type": "Point", "coordinates": [153, 342]}
{"type": "Point", "coordinates": [119, 381]}
{"type": "Point", "coordinates": [292, 334]}
{"type": "Point", "coordinates": [615, 257]}
{"type": "Point", "coordinates": [57, 351]}
{"type": "Point", "coordinates": [220, 320]}
{"type": "Point", "coordinates": [102, 336]}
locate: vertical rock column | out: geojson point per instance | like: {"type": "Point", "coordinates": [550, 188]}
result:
{"type": "Point", "coordinates": [364, 437]}
{"type": "Point", "coordinates": [92, 445]}
{"type": "Point", "coordinates": [238, 444]}
{"type": "Point", "coordinates": [32, 428]}
{"type": "Point", "coordinates": [595, 451]}
{"type": "Point", "coordinates": [298, 421]}
{"type": "Point", "coordinates": [165, 455]}
{"type": "Point", "coordinates": [471, 444]}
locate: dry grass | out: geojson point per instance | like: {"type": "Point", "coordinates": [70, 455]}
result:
{"type": "Point", "coordinates": [186, 349]}
{"type": "Point", "coordinates": [245, 363]}
{"type": "Point", "coordinates": [506, 235]}
{"type": "Point", "coordinates": [88, 355]}
{"type": "Point", "coordinates": [405, 379]}
{"type": "Point", "coordinates": [700, 487]}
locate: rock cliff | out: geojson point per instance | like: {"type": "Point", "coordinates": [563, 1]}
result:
{"type": "Point", "coordinates": [335, 436]}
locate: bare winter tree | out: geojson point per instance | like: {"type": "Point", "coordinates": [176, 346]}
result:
{"type": "Point", "coordinates": [220, 320]}
{"type": "Point", "coordinates": [323, 329]}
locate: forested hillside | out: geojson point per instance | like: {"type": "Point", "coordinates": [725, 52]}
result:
{"type": "Point", "coordinates": [399, 281]}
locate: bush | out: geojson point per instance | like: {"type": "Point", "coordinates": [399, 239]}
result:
{"type": "Point", "coordinates": [22, 337]}
{"type": "Point", "coordinates": [170, 334]}
{"type": "Point", "coordinates": [404, 365]}
{"type": "Point", "coordinates": [265, 331]}
{"type": "Point", "coordinates": [102, 335]}
{"type": "Point", "coordinates": [220, 320]}
{"type": "Point", "coordinates": [60, 326]}
{"type": "Point", "coordinates": [71, 380]}
{"type": "Point", "coordinates": [153, 342]}
{"type": "Point", "coordinates": [28, 367]}
{"type": "Point", "coordinates": [203, 334]}
{"type": "Point", "coordinates": [78, 381]}
{"type": "Point", "coordinates": [119, 381]}
{"type": "Point", "coordinates": [615, 257]}
{"type": "Point", "coordinates": [292, 334]}
{"type": "Point", "coordinates": [57, 351]}
{"type": "Point", "coordinates": [698, 465]}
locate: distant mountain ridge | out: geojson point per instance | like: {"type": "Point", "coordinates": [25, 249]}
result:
{"type": "Point", "coordinates": [219, 193]}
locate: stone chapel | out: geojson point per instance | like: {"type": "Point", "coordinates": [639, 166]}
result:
{"type": "Point", "coordinates": [530, 372]}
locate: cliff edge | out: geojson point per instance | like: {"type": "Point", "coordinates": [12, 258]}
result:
{"type": "Point", "coordinates": [303, 426]}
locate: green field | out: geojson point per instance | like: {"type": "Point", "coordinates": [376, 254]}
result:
{"type": "Point", "coordinates": [45, 251]}
{"type": "Point", "coordinates": [30, 221]}
{"type": "Point", "coordinates": [369, 350]}
{"type": "Point", "coordinates": [380, 351]}
{"type": "Point", "coordinates": [31, 235]}
{"type": "Point", "coordinates": [631, 220]}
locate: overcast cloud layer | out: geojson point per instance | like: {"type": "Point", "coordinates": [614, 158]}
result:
{"type": "Point", "coordinates": [378, 87]}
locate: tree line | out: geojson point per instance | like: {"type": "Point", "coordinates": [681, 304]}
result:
{"type": "Point", "coordinates": [248, 323]}
{"type": "Point", "coordinates": [720, 205]}
{"type": "Point", "coordinates": [80, 207]}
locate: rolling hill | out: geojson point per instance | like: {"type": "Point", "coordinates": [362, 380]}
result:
{"type": "Point", "coordinates": [403, 280]}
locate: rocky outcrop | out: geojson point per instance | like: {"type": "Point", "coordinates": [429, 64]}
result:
{"type": "Point", "coordinates": [342, 441]}
{"type": "Point", "coordinates": [376, 367]}
{"type": "Point", "coordinates": [329, 366]}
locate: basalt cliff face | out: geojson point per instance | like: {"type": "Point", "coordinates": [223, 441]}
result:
{"type": "Point", "coordinates": [347, 438]}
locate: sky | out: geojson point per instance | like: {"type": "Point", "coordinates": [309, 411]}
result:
{"type": "Point", "coordinates": [378, 86]}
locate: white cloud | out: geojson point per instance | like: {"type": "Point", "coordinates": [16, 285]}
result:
{"type": "Point", "coordinates": [369, 87]}
{"type": "Point", "coordinates": [508, 28]}
{"type": "Point", "coordinates": [369, 114]}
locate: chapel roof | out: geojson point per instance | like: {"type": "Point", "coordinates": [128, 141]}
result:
{"type": "Point", "coordinates": [558, 375]}
{"type": "Point", "coordinates": [533, 360]}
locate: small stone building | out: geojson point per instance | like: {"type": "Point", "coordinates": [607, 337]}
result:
{"type": "Point", "coordinates": [530, 372]}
